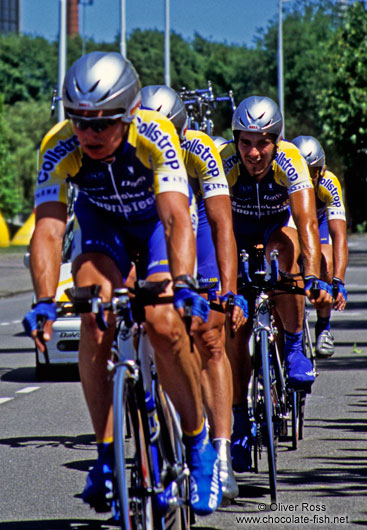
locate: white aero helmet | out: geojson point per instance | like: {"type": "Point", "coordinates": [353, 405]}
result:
{"type": "Point", "coordinates": [165, 100]}
{"type": "Point", "coordinates": [311, 150]}
{"type": "Point", "coordinates": [102, 81]}
{"type": "Point", "coordinates": [258, 114]}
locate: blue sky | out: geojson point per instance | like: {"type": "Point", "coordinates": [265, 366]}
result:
{"type": "Point", "coordinates": [233, 21]}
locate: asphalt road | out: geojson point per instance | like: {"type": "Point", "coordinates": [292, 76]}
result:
{"type": "Point", "coordinates": [46, 442]}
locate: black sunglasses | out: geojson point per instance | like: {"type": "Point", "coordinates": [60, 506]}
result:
{"type": "Point", "coordinates": [96, 124]}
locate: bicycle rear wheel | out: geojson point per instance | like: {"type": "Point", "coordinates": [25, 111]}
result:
{"type": "Point", "coordinates": [268, 414]}
{"type": "Point", "coordinates": [132, 468]}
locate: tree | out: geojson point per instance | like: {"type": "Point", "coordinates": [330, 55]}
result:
{"type": "Point", "coordinates": [343, 105]}
{"type": "Point", "coordinates": [10, 191]}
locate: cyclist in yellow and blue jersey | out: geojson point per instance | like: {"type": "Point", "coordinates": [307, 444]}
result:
{"type": "Point", "coordinates": [333, 236]}
{"type": "Point", "coordinates": [273, 204]}
{"type": "Point", "coordinates": [132, 202]}
{"type": "Point", "coordinates": [217, 268]}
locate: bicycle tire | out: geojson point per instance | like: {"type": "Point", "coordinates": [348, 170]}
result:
{"type": "Point", "coordinates": [171, 452]}
{"type": "Point", "coordinates": [294, 399]}
{"type": "Point", "coordinates": [132, 469]}
{"type": "Point", "coordinates": [268, 414]}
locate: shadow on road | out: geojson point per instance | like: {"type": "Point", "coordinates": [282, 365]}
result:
{"type": "Point", "coordinates": [60, 524]}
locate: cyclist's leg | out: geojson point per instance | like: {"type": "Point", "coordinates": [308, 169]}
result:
{"type": "Point", "coordinates": [290, 307]}
{"type": "Point", "coordinates": [179, 373]}
{"type": "Point", "coordinates": [324, 339]}
{"type": "Point", "coordinates": [94, 263]}
{"type": "Point", "coordinates": [239, 355]}
{"type": "Point", "coordinates": [216, 376]}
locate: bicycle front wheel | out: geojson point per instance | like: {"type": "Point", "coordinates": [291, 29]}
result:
{"type": "Point", "coordinates": [268, 414]}
{"type": "Point", "coordinates": [132, 469]}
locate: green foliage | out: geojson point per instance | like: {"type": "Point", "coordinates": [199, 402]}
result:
{"type": "Point", "coordinates": [325, 79]}
{"type": "Point", "coordinates": [343, 104]}
{"type": "Point", "coordinates": [10, 203]}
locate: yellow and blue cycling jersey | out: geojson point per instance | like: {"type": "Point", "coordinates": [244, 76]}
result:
{"type": "Point", "coordinates": [259, 208]}
{"type": "Point", "coordinates": [207, 179]}
{"type": "Point", "coordinates": [148, 163]}
{"type": "Point", "coordinates": [329, 204]}
{"type": "Point", "coordinates": [115, 211]}
{"type": "Point", "coordinates": [329, 197]}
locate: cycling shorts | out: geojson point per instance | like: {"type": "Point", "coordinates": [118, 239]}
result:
{"type": "Point", "coordinates": [142, 242]}
{"type": "Point", "coordinates": [207, 268]}
{"type": "Point", "coordinates": [258, 231]}
{"type": "Point", "coordinates": [324, 230]}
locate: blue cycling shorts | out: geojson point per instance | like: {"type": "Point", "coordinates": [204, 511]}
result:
{"type": "Point", "coordinates": [142, 243]}
{"type": "Point", "coordinates": [324, 230]}
{"type": "Point", "coordinates": [207, 268]}
{"type": "Point", "coordinates": [249, 233]}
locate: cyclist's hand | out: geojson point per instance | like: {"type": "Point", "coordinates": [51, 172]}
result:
{"type": "Point", "coordinates": [199, 307]}
{"type": "Point", "coordinates": [340, 294]}
{"type": "Point", "coordinates": [236, 309]}
{"type": "Point", "coordinates": [318, 292]}
{"type": "Point", "coordinates": [38, 321]}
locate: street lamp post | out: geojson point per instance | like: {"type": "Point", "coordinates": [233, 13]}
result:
{"type": "Point", "coordinates": [123, 29]}
{"type": "Point", "coordinates": [167, 70]}
{"type": "Point", "coordinates": [84, 3]}
{"type": "Point", "coordinates": [280, 64]}
{"type": "Point", "coordinates": [62, 57]}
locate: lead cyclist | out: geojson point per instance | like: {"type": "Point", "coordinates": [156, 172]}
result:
{"type": "Point", "coordinates": [132, 199]}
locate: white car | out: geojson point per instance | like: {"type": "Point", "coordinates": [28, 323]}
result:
{"type": "Point", "coordinates": [62, 349]}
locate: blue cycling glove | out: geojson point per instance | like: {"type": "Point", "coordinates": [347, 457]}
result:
{"type": "Point", "coordinates": [41, 312]}
{"type": "Point", "coordinates": [338, 287]}
{"type": "Point", "coordinates": [238, 300]}
{"type": "Point", "coordinates": [185, 296]}
{"type": "Point", "coordinates": [313, 283]}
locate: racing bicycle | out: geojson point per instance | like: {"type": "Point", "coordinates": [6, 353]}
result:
{"type": "Point", "coordinates": [151, 489]}
{"type": "Point", "coordinates": [272, 402]}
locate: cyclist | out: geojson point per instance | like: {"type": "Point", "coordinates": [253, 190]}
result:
{"type": "Point", "coordinates": [272, 204]}
{"type": "Point", "coordinates": [215, 244]}
{"type": "Point", "coordinates": [333, 236]}
{"type": "Point", "coordinates": [133, 198]}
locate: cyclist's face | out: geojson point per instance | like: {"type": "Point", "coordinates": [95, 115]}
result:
{"type": "Point", "coordinates": [315, 173]}
{"type": "Point", "coordinates": [257, 152]}
{"type": "Point", "coordinates": [100, 145]}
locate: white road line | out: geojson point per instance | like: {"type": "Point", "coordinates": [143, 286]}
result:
{"type": "Point", "coordinates": [5, 399]}
{"type": "Point", "coordinates": [10, 323]}
{"type": "Point", "coordinates": [27, 389]}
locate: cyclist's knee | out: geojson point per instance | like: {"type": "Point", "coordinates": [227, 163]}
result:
{"type": "Point", "coordinates": [164, 324]}
{"type": "Point", "coordinates": [210, 343]}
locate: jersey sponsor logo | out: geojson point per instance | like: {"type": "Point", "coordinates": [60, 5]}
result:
{"type": "Point", "coordinates": [333, 190]}
{"type": "Point", "coordinates": [52, 157]}
{"type": "Point", "coordinates": [297, 187]}
{"type": "Point", "coordinates": [212, 186]}
{"type": "Point", "coordinates": [287, 166]}
{"type": "Point", "coordinates": [197, 147]}
{"type": "Point", "coordinates": [155, 135]}
{"type": "Point", "coordinates": [230, 162]}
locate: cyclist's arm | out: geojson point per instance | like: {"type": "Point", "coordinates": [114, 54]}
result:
{"type": "Point", "coordinates": [337, 229]}
{"type": "Point", "coordinates": [303, 209]}
{"type": "Point", "coordinates": [46, 248]}
{"type": "Point", "coordinates": [219, 214]}
{"type": "Point", "coordinates": [173, 210]}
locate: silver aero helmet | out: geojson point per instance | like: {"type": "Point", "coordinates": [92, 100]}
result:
{"type": "Point", "coordinates": [165, 100]}
{"type": "Point", "coordinates": [311, 150]}
{"type": "Point", "coordinates": [102, 81]}
{"type": "Point", "coordinates": [258, 114]}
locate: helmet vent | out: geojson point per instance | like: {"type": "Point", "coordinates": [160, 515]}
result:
{"type": "Point", "coordinates": [105, 96]}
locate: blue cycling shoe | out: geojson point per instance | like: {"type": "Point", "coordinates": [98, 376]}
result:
{"type": "Point", "coordinates": [241, 440]}
{"type": "Point", "coordinates": [205, 486]}
{"type": "Point", "coordinates": [298, 367]}
{"type": "Point", "coordinates": [98, 489]}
